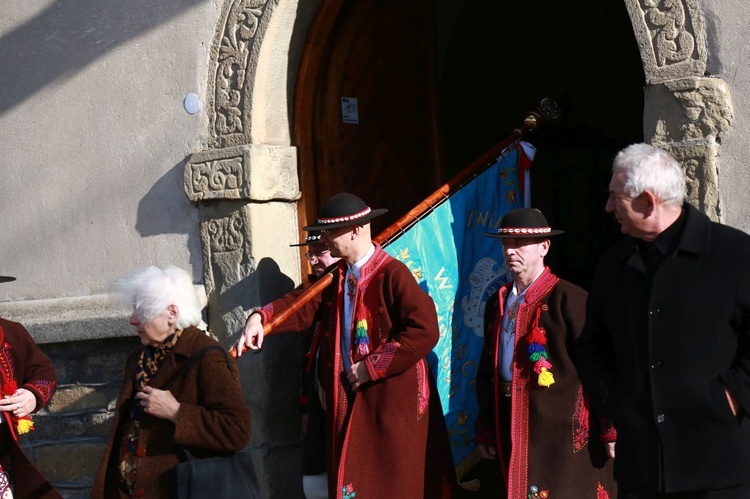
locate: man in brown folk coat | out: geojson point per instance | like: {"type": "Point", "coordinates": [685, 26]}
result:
{"type": "Point", "coordinates": [377, 326]}
{"type": "Point", "coordinates": [533, 416]}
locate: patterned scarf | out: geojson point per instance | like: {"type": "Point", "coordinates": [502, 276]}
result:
{"type": "Point", "coordinates": [149, 363]}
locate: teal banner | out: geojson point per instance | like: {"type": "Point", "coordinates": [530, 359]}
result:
{"type": "Point", "coordinates": [460, 267]}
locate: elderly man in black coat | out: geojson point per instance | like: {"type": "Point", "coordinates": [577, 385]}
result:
{"type": "Point", "coordinates": [665, 351]}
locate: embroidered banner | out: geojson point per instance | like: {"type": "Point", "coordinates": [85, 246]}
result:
{"type": "Point", "coordinates": [452, 259]}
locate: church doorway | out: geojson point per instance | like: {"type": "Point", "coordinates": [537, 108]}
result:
{"type": "Point", "coordinates": [437, 83]}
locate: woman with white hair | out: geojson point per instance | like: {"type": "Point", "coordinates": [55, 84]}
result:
{"type": "Point", "coordinates": [202, 410]}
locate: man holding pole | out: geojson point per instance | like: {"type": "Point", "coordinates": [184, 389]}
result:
{"type": "Point", "coordinates": [377, 326]}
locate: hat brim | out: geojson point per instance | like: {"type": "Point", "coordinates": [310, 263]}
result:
{"type": "Point", "coordinates": [551, 233]}
{"type": "Point", "coordinates": [6, 278]}
{"type": "Point", "coordinates": [347, 223]}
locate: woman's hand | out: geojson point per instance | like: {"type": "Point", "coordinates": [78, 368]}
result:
{"type": "Point", "coordinates": [20, 403]}
{"type": "Point", "coordinates": [159, 403]}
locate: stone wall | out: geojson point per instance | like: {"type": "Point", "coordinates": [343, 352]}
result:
{"type": "Point", "coordinates": [72, 430]}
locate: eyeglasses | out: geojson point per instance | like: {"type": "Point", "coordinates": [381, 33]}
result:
{"type": "Point", "coordinates": [338, 231]}
{"type": "Point", "coordinates": [314, 257]}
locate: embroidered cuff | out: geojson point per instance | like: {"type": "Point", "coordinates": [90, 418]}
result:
{"type": "Point", "coordinates": [265, 312]}
{"type": "Point", "coordinates": [377, 363]}
{"type": "Point", "coordinates": [42, 391]}
{"type": "Point", "coordinates": [609, 432]}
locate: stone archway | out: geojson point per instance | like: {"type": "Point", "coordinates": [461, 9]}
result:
{"type": "Point", "coordinates": [245, 181]}
{"type": "Point", "coordinates": [245, 184]}
{"type": "Point", "coordinates": [686, 110]}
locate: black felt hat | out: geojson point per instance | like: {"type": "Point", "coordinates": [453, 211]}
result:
{"type": "Point", "coordinates": [6, 278]}
{"type": "Point", "coordinates": [312, 237]}
{"type": "Point", "coordinates": [523, 223]}
{"type": "Point", "coordinates": [344, 210]}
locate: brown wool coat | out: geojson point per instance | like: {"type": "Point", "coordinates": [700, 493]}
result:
{"type": "Point", "coordinates": [33, 371]}
{"type": "Point", "coordinates": [377, 439]}
{"type": "Point", "coordinates": [213, 418]}
{"type": "Point", "coordinates": [555, 439]}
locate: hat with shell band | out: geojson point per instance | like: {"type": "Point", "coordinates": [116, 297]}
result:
{"type": "Point", "coordinates": [344, 210]}
{"type": "Point", "coordinates": [524, 223]}
{"type": "Point", "coordinates": [313, 237]}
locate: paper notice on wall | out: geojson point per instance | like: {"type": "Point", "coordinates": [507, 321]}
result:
{"type": "Point", "coordinates": [349, 110]}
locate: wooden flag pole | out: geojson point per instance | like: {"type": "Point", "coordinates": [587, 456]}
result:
{"type": "Point", "coordinates": [546, 111]}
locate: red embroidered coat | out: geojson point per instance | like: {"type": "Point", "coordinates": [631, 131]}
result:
{"type": "Point", "coordinates": [556, 442]}
{"type": "Point", "coordinates": [376, 438]}
{"type": "Point", "coordinates": [24, 365]}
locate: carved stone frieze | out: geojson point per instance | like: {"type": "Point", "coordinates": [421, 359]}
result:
{"type": "Point", "coordinates": [251, 172]}
{"type": "Point", "coordinates": [698, 161]}
{"type": "Point", "coordinates": [687, 109]}
{"type": "Point", "coordinates": [227, 260]}
{"type": "Point", "coordinates": [671, 38]}
{"type": "Point", "coordinates": [234, 54]}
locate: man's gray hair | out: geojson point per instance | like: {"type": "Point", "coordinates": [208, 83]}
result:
{"type": "Point", "coordinates": [150, 290]}
{"type": "Point", "coordinates": [648, 168]}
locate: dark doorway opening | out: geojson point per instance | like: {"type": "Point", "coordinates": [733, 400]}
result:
{"type": "Point", "coordinates": [498, 59]}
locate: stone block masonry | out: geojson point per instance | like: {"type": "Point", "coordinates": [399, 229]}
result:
{"type": "Point", "coordinates": [72, 430]}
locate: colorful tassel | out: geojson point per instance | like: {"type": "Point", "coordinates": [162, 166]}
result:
{"type": "Point", "coordinates": [541, 363]}
{"type": "Point", "coordinates": [361, 339]}
{"type": "Point", "coordinates": [537, 355]}
{"type": "Point", "coordinates": [545, 378]}
{"type": "Point", "coordinates": [537, 339]}
{"type": "Point", "coordinates": [535, 348]}
{"type": "Point", "coordinates": [537, 336]}
{"type": "Point", "coordinates": [24, 425]}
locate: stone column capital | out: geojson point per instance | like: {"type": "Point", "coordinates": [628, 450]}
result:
{"type": "Point", "coordinates": [253, 172]}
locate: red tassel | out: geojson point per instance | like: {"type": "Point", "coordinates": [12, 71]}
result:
{"type": "Point", "coordinates": [537, 336]}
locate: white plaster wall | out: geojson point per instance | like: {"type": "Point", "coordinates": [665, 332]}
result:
{"type": "Point", "coordinates": [94, 138]}
{"type": "Point", "coordinates": [728, 28]}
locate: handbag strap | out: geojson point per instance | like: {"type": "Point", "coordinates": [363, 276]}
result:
{"type": "Point", "coordinates": [193, 360]}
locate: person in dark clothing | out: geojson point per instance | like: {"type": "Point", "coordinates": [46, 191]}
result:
{"type": "Point", "coordinates": [665, 350]}
{"type": "Point", "coordinates": [314, 476]}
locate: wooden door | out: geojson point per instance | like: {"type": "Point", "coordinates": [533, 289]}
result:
{"type": "Point", "coordinates": [381, 53]}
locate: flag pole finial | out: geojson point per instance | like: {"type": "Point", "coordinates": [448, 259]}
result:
{"type": "Point", "coordinates": [548, 110]}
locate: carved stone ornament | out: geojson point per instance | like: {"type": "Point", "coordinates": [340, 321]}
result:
{"type": "Point", "coordinates": [698, 161]}
{"type": "Point", "coordinates": [252, 172]}
{"type": "Point", "coordinates": [687, 109]}
{"type": "Point", "coordinates": [234, 56]}
{"type": "Point", "coordinates": [670, 36]}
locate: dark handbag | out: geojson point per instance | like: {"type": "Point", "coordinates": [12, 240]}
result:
{"type": "Point", "coordinates": [221, 477]}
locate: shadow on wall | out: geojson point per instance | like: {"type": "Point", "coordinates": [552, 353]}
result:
{"type": "Point", "coordinates": [265, 284]}
{"type": "Point", "coordinates": [165, 209]}
{"type": "Point", "coordinates": [270, 380]}
{"type": "Point", "coordinates": [67, 36]}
